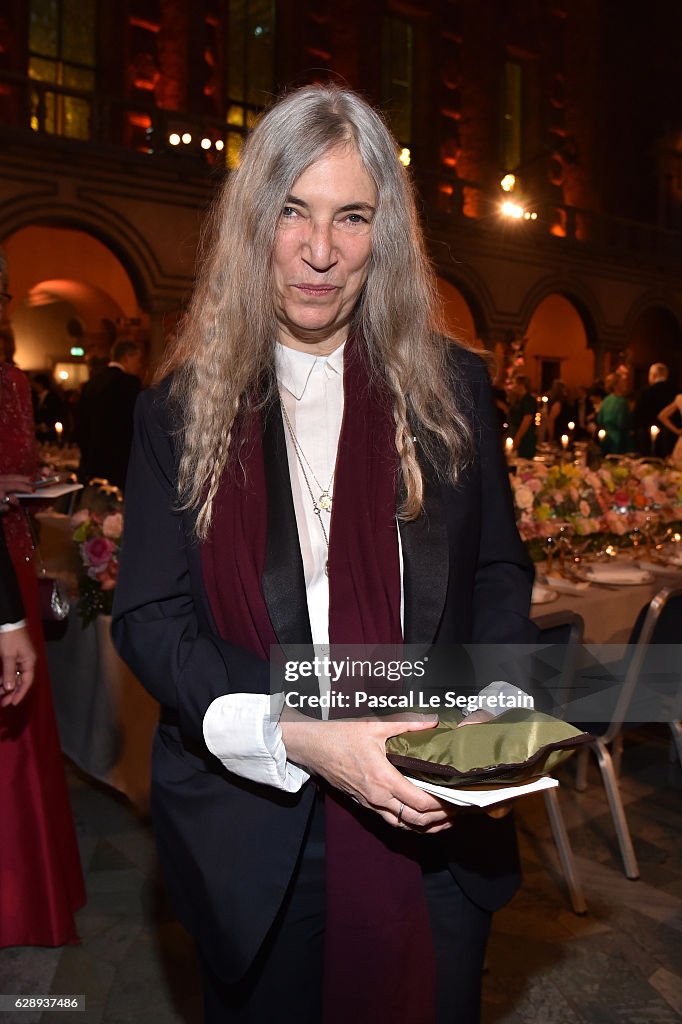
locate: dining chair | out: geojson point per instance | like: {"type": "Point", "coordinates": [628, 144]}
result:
{"type": "Point", "coordinates": [659, 622]}
{"type": "Point", "coordinates": [565, 629]}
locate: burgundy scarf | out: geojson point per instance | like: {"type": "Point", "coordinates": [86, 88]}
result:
{"type": "Point", "coordinates": [379, 961]}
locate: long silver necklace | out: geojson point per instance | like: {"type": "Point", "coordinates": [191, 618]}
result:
{"type": "Point", "coordinates": [324, 502]}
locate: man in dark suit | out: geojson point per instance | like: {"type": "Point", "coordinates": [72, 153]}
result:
{"type": "Point", "coordinates": [660, 393]}
{"type": "Point", "coordinates": [105, 415]}
{"type": "Point", "coordinates": [17, 655]}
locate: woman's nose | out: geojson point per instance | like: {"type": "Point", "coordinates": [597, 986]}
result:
{"type": "Point", "coordinates": [319, 251]}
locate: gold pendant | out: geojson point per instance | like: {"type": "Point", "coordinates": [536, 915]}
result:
{"type": "Point", "coordinates": [325, 501]}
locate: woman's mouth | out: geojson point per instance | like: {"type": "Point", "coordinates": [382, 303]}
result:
{"type": "Point", "coordinates": [316, 289]}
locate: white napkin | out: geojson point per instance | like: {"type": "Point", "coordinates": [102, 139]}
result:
{"type": "Point", "coordinates": [657, 568]}
{"type": "Point", "coordinates": [484, 797]}
{"type": "Point", "coordinates": [542, 594]}
{"type": "Point", "coordinates": [617, 574]}
{"type": "Point", "coordinates": [565, 586]}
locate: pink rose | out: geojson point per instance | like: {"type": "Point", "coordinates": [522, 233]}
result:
{"type": "Point", "coordinates": [97, 552]}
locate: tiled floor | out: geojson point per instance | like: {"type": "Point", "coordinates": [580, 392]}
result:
{"type": "Point", "coordinates": [619, 964]}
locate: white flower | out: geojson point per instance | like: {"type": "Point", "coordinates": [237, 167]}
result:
{"type": "Point", "coordinates": [524, 497]}
{"type": "Point", "coordinates": [112, 526]}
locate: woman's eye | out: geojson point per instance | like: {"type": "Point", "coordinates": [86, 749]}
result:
{"type": "Point", "coordinates": [356, 218]}
{"type": "Point", "coordinates": [289, 211]}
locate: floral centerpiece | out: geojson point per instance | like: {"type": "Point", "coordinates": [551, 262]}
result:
{"type": "Point", "coordinates": [99, 543]}
{"type": "Point", "coordinates": [603, 505]}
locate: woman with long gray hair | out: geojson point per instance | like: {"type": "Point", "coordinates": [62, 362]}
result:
{"type": "Point", "coordinates": [318, 464]}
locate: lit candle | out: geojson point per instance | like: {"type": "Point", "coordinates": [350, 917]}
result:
{"type": "Point", "coordinates": [601, 434]}
{"type": "Point", "coordinates": [571, 425]}
{"type": "Point", "coordinates": [509, 445]}
{"type": "Point", "coordinates": [654, 431]}
{"type": "Point", "coordinates": [564, 441]}
{"type": "Point", "coordinates": [59, 430]}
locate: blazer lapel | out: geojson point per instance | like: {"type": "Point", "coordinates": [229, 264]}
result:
{"type": "Point", "coordinates": [283, 581]}
{"type": "Point", "coordinates": [425, 565]}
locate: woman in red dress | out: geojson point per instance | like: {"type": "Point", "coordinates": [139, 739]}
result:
{"type": "Point", "coordinates": [41, 881]}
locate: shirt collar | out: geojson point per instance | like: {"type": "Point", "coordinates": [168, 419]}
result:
{"type": "Point", "coordinates": [294, 367]}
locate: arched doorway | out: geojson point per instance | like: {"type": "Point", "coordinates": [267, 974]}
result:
{"type": "Point", "coordinates": [655, 337]}
{"type": "Point", "coordinates": [557, 346]}
{"type": "Point", "coordinates": [459, 318]}
{"type": "Point", "coordinates": [69, 291]}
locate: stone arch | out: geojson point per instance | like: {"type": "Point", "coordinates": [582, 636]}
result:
{"type": "Point", "coordinates": [557, 345]}
{"type": "Point", "coordinates": [69, 289]}
{"type": "Point", "coordinates": [474, 294]}
{"type": "Point", "coordinates": [119, 236]}
{"type": "Point", "coordinates": [460, 320]}
{"type": "Point", "coordinates": [575, 292]}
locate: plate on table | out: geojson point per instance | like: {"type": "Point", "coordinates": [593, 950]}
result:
{"type": "Point", "coordinates": [619, 575]}
{"type": "Point", "coordinates": [543, 594]}
{"type": "Point", "coordinates": [49, 493]}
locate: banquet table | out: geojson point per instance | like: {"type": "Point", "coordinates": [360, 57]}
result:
{"type": "Point", "coordinates": [106, 720]}
{"type": "Point", "coordinates": [610, 612]}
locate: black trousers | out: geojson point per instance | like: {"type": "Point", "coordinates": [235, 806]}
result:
{"type": "Point", "coordinates": [284, 984]}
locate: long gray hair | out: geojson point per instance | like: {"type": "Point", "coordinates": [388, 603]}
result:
{"type": "Point", "coordinates": [227, 344]}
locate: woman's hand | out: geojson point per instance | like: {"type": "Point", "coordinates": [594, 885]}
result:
{"type": "Point", "coordinates": [351, 756]}
{"type": "Point", "coordinates": [11, 482]}
{"type": "Point", "coordinates": [17, 664]}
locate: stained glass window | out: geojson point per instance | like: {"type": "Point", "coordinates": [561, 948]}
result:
{"type": "Point", "coordinates": [250, 63]}
{"type": "Point", "coordinates": [62, 53]}
{"type": "Point", "coordinates": [397, 77]}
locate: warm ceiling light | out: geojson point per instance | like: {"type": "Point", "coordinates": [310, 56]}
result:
{"type": "Point", "coordinates": [63, 375]}
{"type": "Point", "coordinates": [220, 145]}
{"type": "Point", "coordinates": [205, 143]}
{"type": "Point", "coordinates": [174, 139]}
{"type": "Point", "coordinates": [405, 157]}
{"type": "Point", "coordinates": [508, 183]}
{"type": "Point", "coordinates": [186, 138]}
{"type": "Point", "coordinates": [510, 209]}
{"type": "Point", "coordinates": [533, 215]}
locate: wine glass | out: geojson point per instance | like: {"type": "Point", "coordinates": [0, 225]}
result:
{"type": "Point", "coordinates": [549, 547]}
{"type": "Point", "coordinates": [564, 541]}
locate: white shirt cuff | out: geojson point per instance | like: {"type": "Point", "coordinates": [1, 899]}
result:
{"type": "Point", "coordinates": [9, 627]}
{"type": "Point", "coordinates": [489, 698]}
{"type": "Point", "coordinates": [242, 730]}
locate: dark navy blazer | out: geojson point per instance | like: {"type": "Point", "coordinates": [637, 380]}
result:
{"type": "Point", "coordinates": [228, 846]}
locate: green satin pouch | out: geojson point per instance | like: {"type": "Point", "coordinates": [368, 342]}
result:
{"type": "Point", "coordinates": [512, 748]}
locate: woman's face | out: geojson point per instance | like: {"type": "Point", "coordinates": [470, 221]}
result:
{"type": "Point", "coordinates": [322, 250]}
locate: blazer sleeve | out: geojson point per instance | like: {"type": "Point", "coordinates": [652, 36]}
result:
{"type": "Point", "coordinates": [504, 574]}
{"type": "Point", "coordinates": [159, 624]}
{"type": "Point", "coordinates": [11, 606]}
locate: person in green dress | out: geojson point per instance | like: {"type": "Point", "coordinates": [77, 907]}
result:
{"type": "Point", "coordinates": [615, 418]}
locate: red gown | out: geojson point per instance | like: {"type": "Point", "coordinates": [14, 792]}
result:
{"type": "Point", "coordinates": [41, 881]}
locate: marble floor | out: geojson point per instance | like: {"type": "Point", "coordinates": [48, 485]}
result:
{"type": "Point", "coordinates": [621, 963]}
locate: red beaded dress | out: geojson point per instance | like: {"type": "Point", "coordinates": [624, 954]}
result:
{"type": "Point", "coordinates": [41, 882]}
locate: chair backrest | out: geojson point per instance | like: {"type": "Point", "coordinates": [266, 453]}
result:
{"type": "Point", "coordinates": [659, 622]}
{"type": "Point", "coordinates": [560, 628]}
{"type": "Point", "coordinates": [565, 629]}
